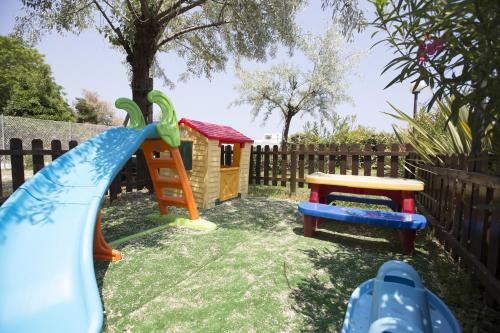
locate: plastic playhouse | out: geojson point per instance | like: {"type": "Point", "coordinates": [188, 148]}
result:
{"type": "Point", "coordinates": [50, 227]}
{"type": "Point", "coordinates": [212, 182]}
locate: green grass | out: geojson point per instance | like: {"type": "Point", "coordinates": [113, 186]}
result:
{"type": "Point", "coordinates": [256, 272]}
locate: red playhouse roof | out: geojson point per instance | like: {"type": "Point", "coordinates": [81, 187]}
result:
{"type": "Point", "coordinates": [224, 134]}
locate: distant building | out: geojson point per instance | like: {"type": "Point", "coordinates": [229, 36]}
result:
{"type": "Point", "coordinates": [268, 139]}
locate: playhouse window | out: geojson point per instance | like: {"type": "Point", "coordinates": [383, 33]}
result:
{"type": "Point", "coordinates": [230, 155]}
{"type": "Point", "coordinates": [186, 151]}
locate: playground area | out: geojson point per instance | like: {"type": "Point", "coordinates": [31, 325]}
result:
{"type": "Point", "coordinates": [256, 272]}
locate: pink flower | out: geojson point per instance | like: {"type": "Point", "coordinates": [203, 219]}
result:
{"type": "Point", "coordinates": [429, 47]}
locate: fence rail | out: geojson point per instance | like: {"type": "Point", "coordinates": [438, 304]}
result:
{"type": "Point", "coordinates": [290, 164]}
{"type": "Point", "coordinates": [133, 176]}
{"type": "Point", "coordinates": [462, 202]}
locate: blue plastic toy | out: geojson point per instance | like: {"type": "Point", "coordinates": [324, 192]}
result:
{"type": "Point", "coordinates": [396, 301]}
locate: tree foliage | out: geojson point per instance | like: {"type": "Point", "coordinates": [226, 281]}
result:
{"type": "Point", "coordinates": [27, 88]}
{"type": "Point", "coordinates": [454, 46]}
{"type": "Point", "coordinates": [341, 130]}
{"type": "Point", "coordinates": [91, 109]}
{"type": "Point", "coordinates": [433, 136]}
{"type": "Point", "coordinates": [290, 90]}
{"type": "Point", "coordinates": [205, 33]}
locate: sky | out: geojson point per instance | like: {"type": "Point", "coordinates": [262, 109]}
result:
{"type": "Point", "coordinates": [86, 61]}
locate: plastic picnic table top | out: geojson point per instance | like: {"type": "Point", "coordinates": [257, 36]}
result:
{"type": "Point", "coordinates": [370, 182]}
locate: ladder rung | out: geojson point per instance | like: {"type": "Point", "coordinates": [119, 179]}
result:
{"type": "Point", "coordinates": [162, 162]}
{"type": "Point", "coordinates": [174, 201]}
{"type": "Point", "coordinates": [164, 181]}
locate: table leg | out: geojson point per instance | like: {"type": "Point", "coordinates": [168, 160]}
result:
{"type": "Point", "coordinates": [309, 226]}
{"type": "Point", "coordinates": [314, 197]}
{"type": "Point", "coordinates": [407, 237]}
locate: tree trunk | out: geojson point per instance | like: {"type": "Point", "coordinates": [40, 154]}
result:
{"type": "Point", "coordinates": [144, 50]}
{"type": "Point", "coordinates": [288, 120]}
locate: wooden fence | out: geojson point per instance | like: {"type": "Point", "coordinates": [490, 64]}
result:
{"type": "Point", "coordinates": [134, 175]}
{"type": "Point", "coordinates": [462, 202]}
{"type": "Point", "coordinates": [288, 166]}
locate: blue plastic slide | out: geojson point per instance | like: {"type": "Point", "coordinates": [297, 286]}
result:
{"type": "Point", "coordinates": [47, 280]}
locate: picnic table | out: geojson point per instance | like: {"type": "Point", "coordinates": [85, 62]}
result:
{"type": "Point", "coordinates": [400, 192]}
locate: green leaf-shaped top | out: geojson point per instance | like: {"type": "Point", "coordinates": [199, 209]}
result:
{"type": "Point", "coordinates": [167, 128]}
{"type": "Point", "coordinates": [136, 120]}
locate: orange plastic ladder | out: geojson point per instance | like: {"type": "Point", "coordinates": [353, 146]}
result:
{"type": "Point", "coordinates": [160, 182]}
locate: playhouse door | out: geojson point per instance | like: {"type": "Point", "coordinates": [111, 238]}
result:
{"type": "Point", "coordinates": [229, 182]}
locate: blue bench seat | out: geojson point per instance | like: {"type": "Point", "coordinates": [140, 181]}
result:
{"type": "Point", "coordinates": [367, 200]}
{"type": "Point", "coordinates": [374, 217]}
{"type": "Point", "coordinates": [406, 223]}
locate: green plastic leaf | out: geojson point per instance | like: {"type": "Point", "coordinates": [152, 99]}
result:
{"type": "Point", "coordinates": [136, 119]}
{"type": "Point", "coordinates": [167, 128]}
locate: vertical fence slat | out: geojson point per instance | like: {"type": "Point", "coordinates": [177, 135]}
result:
{"type": "Point", "coordinates": [331, 158]}
{"type": "Point", "coordinates": [493, 262]}
{"type": "Point", "coordinates": [367, 160]}
{"type": "Point", "coordinates": [380, 160]}
{"type": "Point", "coordinates": [310, 159]}
{"type": "Point", "coordinates": [56, 148]}
{"type": "Point", "coordinates": [222, 155]}
{"type": "Point", "coordinates": [283, 165]}
{"type": "Point", "coordinates": [275, 165]}
{"type": "Point", "coordinates": [343, 159]}
{"type": "Point", "coordinates": [394, 160]}
{"type": "Point", "coordinates": [17, 163]}
{"type": "Point", "coordinates": [37, 155]}
{"type": "Point", "coordinates": [478, 230]}
{"type": "Point", "coordinates": [257, 165]}
{"type": "Point", "coordinates": [293, 169]}
{"type": "Point", "coordinates": [321, 158]}
{"type": "Point", "coordinates": [266, 165]}
{"type": "Point", "coordinates": [301, 165]}
{"type": "Point", "coordinates": [355, 159]}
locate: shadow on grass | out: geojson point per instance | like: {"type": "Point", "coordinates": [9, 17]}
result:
{"type": "Point", "coordinates": [322, 298]}
{"type": "Point", "coordinates": [100, 268]}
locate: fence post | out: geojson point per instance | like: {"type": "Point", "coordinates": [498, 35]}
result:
{"type": "Point", "coordinates": [250, 166]}
{"type": "Point", "coordinates": [17, 163]}
{"type": "Point", "coordinates": [37, 155]}
{"type": "Point", "coordinates": [293, 169]}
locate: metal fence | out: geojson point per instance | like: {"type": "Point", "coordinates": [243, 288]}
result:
{"type": "Point", "coordinates": [28, 129]}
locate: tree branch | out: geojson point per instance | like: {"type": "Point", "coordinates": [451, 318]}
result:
{"type": "Point", "coordinates": [176, 10]}
{"type": "Point", "coordinates": [145, 9]}
{"type": "Point", "coordinates": [117, 31]}
{"type": "Point", "coordinates": [190, 29]}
